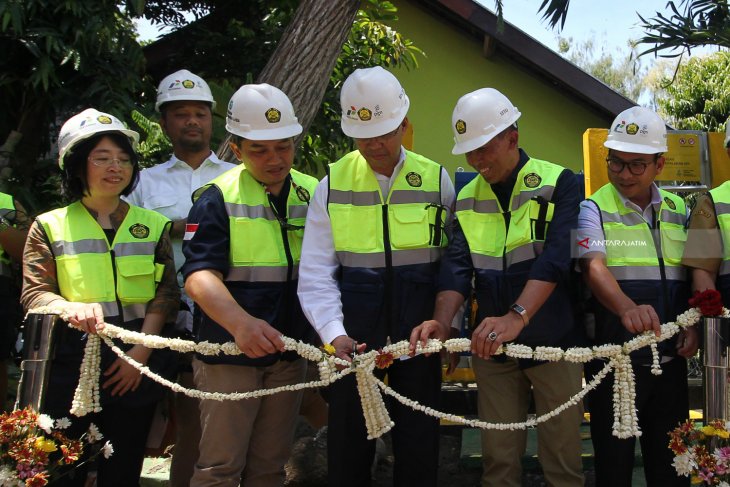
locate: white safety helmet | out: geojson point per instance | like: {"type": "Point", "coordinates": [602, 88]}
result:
{"type": "Point", "coordinates": [87, 124]}
{"type": "Point", "coordinates": [373, 103]}
{"type": "Point", "coordinates": [479, 117]}
{"type": "Point", "coordinates": [638, 130]}
{"type": "Point", "coordinates": [261, 112]}
{"type": "Point", "coordinates": [183, 86]}
{"type": "Point", "coordinates": [727, 132]}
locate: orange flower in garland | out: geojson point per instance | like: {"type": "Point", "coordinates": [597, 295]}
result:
{"type": "Point", "coordinates": [708, 301]}
{"type": "Point", "coordinates": [384, 360]}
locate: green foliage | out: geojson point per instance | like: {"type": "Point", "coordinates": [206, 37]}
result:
{"type": "Point", "coordinates": [699, 96]}
{"type": "Point", "coordinates": [58, 58]}
{"type": "Point", "coordinates": [623, 72]}
{"type": "Point", "coordinates": [154, 147]}
{"type": "Point", "coordinates": [371, 42]}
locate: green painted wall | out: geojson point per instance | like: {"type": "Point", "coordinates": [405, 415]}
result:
{"type": "Point", "coordinates": [551, 126]}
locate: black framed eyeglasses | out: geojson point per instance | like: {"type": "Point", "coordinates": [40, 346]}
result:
{"type": "Point", "coordinates": [616, 165]}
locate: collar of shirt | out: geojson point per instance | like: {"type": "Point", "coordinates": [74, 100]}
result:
{"type": "Point", "coordinates": [654, 204]}
{"type": "Point", "coordinates": [386, 182]}
{"type": "Point", "coordinates": [175, 161]}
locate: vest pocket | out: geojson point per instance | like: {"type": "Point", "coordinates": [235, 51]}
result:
{"type": "Point", "coordinates": [81, 278]}
{"type": "Point", "coordinates": [136, 279]}
{"type": "Point", "coordinates": [253, 241]}
{"type": "Point", "coordinates": [355, 229]}
{"type": "Point", "coordinates": [409, 227]}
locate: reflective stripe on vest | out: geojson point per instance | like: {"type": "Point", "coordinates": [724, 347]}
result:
{"type": "Point", "coordinates": [721, 199]}
{"type": "Point", "coordinates": [415, 217]}
{"type": "Point", "coordinates": [258, 252]}
{"type": "Point", "coordinates": [631, 253]}
{"type": "Point", "coordinates": [86, 265]}
{"type": "Point", "coordinates": [481, 217]}
{"type": "Point", "coordinates": [6, 206]}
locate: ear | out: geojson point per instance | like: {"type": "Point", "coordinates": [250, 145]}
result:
{"type": "Point", "coordinates": [659, 165]}
{"type": "Point", "coordinates": [236, 150]}
{"type": "Point", "coordinates": [514, 139]}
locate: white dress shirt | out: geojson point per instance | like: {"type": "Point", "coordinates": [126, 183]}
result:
{"type": "Point", "coordinates": [319, 291]}
{"type": "Point", "coordinates": [168, 188]}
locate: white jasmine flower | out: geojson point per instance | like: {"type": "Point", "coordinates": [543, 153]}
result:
{"type": "Point", "coordinates": [107, 450]}
{"type": "Point", "coordinates": [45, 422]}
{"type": "Point", "coordinates": [94, 434]}
{"type": "Point", "coordinates": [63, 423]}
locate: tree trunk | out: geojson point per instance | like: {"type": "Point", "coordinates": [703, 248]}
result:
{"type": "Point", "coordinates": [305, 56]}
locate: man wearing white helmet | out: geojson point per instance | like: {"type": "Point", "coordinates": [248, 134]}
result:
{"type": "Point", "coordinates": [242, 247]}
{"type": "Point", "coordinates": [706, 251]}
{"type": "Point", "coordinates": [375, 235]}
{"type": "Point", "coordinates": [186, 108]}
{"type": "Point", "coordinates": [511, 239]}
{"type": "Point", "coordinates": [633, 236]}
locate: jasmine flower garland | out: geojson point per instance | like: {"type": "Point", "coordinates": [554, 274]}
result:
{"type": "Point", "coordinates": [86, 398]}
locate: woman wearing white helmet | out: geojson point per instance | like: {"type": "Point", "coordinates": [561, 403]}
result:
{"type": "Point", "coordinates": [102, 260]}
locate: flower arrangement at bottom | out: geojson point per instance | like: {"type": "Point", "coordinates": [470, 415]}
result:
{"type": "Point", "coordinates": [34, 449]}
{"type": "Point", "coordinates": [702, 452]}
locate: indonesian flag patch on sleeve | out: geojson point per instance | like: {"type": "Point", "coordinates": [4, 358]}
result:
{"type": "Point", "coordinates": [190, 229]}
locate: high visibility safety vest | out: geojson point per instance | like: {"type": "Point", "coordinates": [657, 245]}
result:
{"type": "Point", "coordinates": [265, 250]}
{"type": "Point", "coordinates": [504, 243]}
{"type": "Point", "coordinates": [6, 206]}
{"type": "Point", "coordinates": [644, 259]}
{"type": "Point", "coordinates": [389, 246]}
{"type": "Point", "coordinates": [122, 277]}
{"type": "Point", "coordinates": [721, 199]}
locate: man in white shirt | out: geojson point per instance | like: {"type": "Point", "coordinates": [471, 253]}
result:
{"type": "Point", "coordinates": [372, 245]}
{"type": "Point", "coordinates": [186, 108]}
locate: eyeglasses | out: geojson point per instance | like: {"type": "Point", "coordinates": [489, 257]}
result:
{"type": "Point", "coordinates": [380, 138]}
{"type": "Point", "coordinates": [616, 165]}
{"type": "Point", "coordinates": [108, 161]}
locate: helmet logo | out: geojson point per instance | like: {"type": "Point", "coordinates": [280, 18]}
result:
{"type": "Point", "coordinates": [189, 84]}
{"type": "Point", "coordinates": [632, 129]}
{"type": "Point", "coordinates": [460, 127]}
{"type": "Point", "coordinates": [139, 231]}
{"type": "Point", "coordinates": [104, 119]}
{"type": "Point", "coordinates": [364, 114]}
{"type": "Point", "coordinates": [273, 115]}
{"type": "Point", "coordinates": [532, 180]}
{"type": "Point", "coordinates": [414, 179]}
{"type": "Point", "coordinates": [619, 126]}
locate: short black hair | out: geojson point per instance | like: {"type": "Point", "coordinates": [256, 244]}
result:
{"type": "Point", "coordinates": [73, 180]}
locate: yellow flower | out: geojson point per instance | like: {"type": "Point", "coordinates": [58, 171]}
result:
{"type": "Point", "coordinates": [696, 480]}
{"type": "Point", "coordinates": [722, 434]}
{"type": "Point", "coordinates": [329, 348]}
{"type": "Point", "coordinates": [45, 445]}
{"type": "Point", "coordinates": [708, 430]}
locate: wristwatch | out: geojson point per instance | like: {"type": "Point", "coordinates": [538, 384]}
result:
{"type": "Point", "coordinates": [520, 310]}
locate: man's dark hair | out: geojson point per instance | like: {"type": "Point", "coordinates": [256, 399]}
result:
{"type": "Point", "coordinates": [74, 181]}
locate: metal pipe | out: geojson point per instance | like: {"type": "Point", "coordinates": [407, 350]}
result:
{"type": "Point", "coordinates": [716, 366]}
{"type": "Point", "coordinates": [35, 369]}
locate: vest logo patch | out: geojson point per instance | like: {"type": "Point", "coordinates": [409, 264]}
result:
{"type": "Point", "coordinates": [670, 203]}
{"type": "Point", "coordinates": [273, 115]}
{"type": "Point", "coordinates": [189, 84]}
{"type": "Point", "coordinates": [460, 127]}
{"type": "Point", "coordinates": [414, 179]}
{"type": "Point", "coordinates": [364, 114]}
{"type": "Point", "coordinates": [139, 231]}
{"type": "Point", "coordinates": [532, 180]}
{"type": "Point", "coordinates": [302, 194]}
{"type": "Point", "coordinates": [632, 129]}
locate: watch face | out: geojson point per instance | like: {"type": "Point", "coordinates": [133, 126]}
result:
{"type": "Point", "coordinates": [518, 308]}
